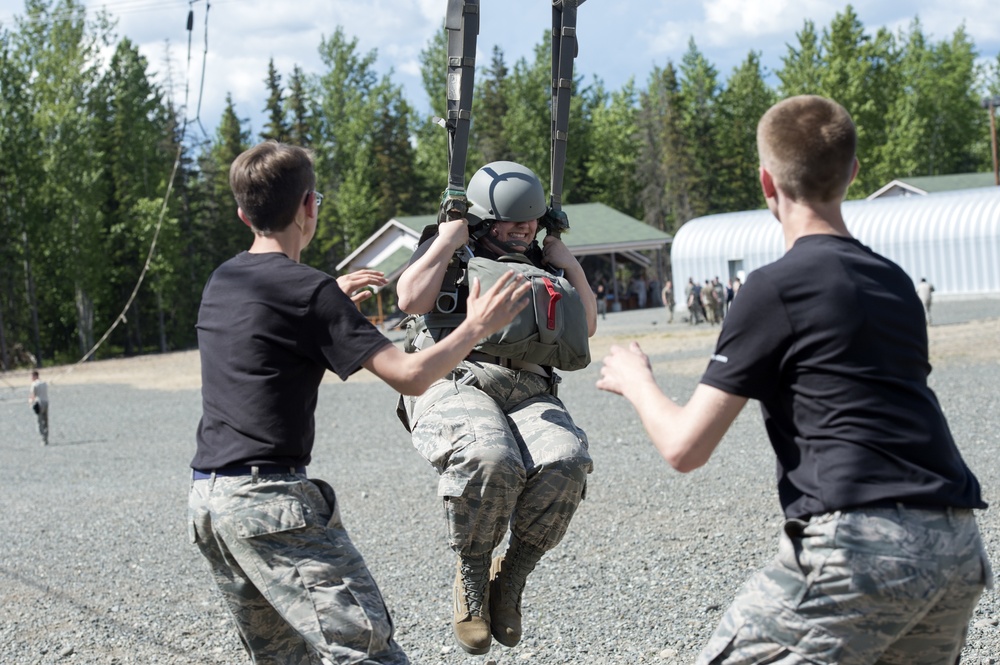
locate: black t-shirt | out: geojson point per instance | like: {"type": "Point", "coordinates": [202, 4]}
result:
{"type": "Point", "coordinates": [268, 329]}
{"type": "Point", "coordinates": [831, 339]}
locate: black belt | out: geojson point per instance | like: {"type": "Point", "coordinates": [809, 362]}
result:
{"type": "Point", "coordinates": [478, 357]}
{"type": "Point", "coordinates": [262, 470]}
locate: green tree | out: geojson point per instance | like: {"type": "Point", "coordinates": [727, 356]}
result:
{"type": "Point", "coordinates": [130, 113]}
{"type": "Point", "coordinates": [663, 163]}
{"type": "Point", "coordinates": [219, 233]}
{"type": "Point", "coordinates": [395, 178]}
{"type": "Point", "coordinates": [297, 109]}
{"type": "Point", "coordinates": [21, 219]}
{"type": "Point", "coordinates": [60, 51]}
{"type": "Point", "coordinates": [744, 100]}
{"type": "Point", "coordinates": [700, 124]}
{"type": "Point", "coordinates": [802, 67]}
{"type": "Point", "coordinates": [431, 153]}
{"type": "Point", "coordinates": [958, 122]}
{"type": "Point", "coordinates": [276, 128]}
{"type": "Point", "coordinates": [611, 162]}
{"type": "Point", "coordinates": [367, 162]}
{"type": "Point", "coordinates": [527, 124]}
{"type": "Point", "coordinates": [491, 106]}
{"type": "Point", "coordinates": [861, 72]}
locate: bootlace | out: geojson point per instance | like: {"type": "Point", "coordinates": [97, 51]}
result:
{"type": "Point", "coordinates": [475, 577]}
{"type": "Point", "coordinates": [519, 565]}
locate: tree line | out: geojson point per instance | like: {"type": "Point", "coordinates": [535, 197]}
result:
{"type": "Point", "coordinates": [90, 140]}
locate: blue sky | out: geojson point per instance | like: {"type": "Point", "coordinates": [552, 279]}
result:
{"type": "Point", "coordinates": [619, 39]}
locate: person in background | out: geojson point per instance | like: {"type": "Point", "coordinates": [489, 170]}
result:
{"type": "Point", "coordinates": [880, 558]}
{"type": "Point", "coordinates": [667, 297]}
{"type": "Point", "coordinates": [601, 294]}
{"type": "Point", "coordinates": [924, 291]}
{"type": "Point", "coordinates": [38, 400]}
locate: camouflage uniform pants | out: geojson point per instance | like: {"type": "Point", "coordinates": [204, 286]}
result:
{"type": "Point", "coordinates": [297, 588]}
{"type": "Point", "coordinates": [508, 453]}
{"type": "Point", "coordinates": [886, 586]}
{"type": "Point", "coordinates": [43, 420]}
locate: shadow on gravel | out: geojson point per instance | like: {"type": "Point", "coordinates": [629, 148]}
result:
{"type": "Point", "coordinates": [85, 442]}
{"type": "Point", "coordinates": [97, 616]}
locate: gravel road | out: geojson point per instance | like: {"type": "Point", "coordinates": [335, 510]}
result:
{"type": "Point", "coordinates": [95, 565]}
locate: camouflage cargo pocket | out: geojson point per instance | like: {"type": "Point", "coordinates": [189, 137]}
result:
{"type": "Point", "coordinates": [269, 518]}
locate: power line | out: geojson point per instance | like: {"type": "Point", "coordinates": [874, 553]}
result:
{"type": "Point", "coordinates": [122, 7]}
{"type": "Point", "coordinates": [166, 195]}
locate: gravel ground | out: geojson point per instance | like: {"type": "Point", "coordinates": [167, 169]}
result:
{"type": "Point", "coordinates": [95, 566]}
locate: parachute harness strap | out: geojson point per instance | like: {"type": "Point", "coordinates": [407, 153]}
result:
{"type": "Point", "coordinates": [564, 50]}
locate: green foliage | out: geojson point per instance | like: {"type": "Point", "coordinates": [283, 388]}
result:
{"type": "Point", "coordinates": [276, 128]}
{"type": "Point", "coordinates": [614, 148]}
{"type": "Point", "coordinates": [802, 66]}
{"type": "Point", "coordinates": [89, 142]}
{"type": "Point", "coordinates": [431, 152]}
{"type": "Point", "coordinates": [664, 165]}
{"type": "Point", "coordinates": [297, 106]}
{"type": "Point", "coordinates": [527, 123]}
{"type": "Point", "coordinates": [492, 105]}
{"type": "Point", "coordinates": [701, 126]}
{"type": "Point", "coordinates": [741, 104]}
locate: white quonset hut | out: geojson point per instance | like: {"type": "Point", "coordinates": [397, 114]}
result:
{"type": "Point", "coordinates": [952, 239]}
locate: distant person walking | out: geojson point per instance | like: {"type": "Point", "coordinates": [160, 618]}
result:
{"type": "Point", "coordinates": [38, 398]}
{"type": "Point", "coordinates": [924, 291]}
{"type": "Point", "coordinates": [667, 297]}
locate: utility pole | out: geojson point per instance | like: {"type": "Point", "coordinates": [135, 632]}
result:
{"type": "Point", "coordinates": [991, 103]}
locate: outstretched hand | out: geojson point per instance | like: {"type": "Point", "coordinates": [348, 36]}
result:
{"type": "Point", "coordinates": [500, 304]}
{"type": "Point", "coordinates": [351, 283]}
{"type": "Point", "coordinates": [624, 367]}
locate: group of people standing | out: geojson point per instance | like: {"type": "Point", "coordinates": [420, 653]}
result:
{"type": "Point", "coordinates": [880, 559]}
{"type": "Point", "coordinates": [710, 301]}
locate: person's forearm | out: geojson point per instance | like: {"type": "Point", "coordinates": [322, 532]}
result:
{"type": "Point", "coordinates": [418, 287]}
{"type": "Point", "coordinates": [660, 416]}
{"type": "Point", "coordinates": [686, 436]}
{"type": "Point", "coordinates": [578, 279]}
{"type": "Point", "coordinates": [413, 373]}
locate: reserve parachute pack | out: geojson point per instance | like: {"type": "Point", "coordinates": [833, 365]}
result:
{"type": "Point", "coordinates": [551, 331]}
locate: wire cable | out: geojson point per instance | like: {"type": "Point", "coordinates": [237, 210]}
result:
{"type": "Point", "coordinates": [166, 197]}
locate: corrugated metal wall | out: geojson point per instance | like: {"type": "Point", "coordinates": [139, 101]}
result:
{"type": "Point", "coordinates": [952, 239]}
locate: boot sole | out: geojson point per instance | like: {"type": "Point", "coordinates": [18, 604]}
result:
{"type": "Point", "coordinates": [475, 651]}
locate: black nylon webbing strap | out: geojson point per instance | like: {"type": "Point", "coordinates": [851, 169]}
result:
{"type": "Point", "coordinates": [564, 49]}
{"type": "Point", "coordinates": [462, 23]}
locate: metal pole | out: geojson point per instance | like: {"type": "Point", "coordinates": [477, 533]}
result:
{"type": "Point", "coordinates": [991, 103]}
{"type": "Point", "coordinates": [993, 138]}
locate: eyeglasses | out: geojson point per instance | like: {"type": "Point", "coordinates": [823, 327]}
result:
{"type": "Point", "coordinates": [319, 198]}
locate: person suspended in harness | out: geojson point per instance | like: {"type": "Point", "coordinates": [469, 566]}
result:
{"type": "Point", "coordinates": [506, 448]}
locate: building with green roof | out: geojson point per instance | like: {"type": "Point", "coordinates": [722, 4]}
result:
{"type": "Point", "coordinates": [596, 230]}
{"type": "Point", "coordinates": [932, 184]}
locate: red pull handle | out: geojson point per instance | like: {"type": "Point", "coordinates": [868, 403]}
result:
{"type": "Point", "coordinates": [554, 297]}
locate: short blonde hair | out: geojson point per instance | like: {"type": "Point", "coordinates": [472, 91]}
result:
{"type": "Point", "coordinates": [808, 144]}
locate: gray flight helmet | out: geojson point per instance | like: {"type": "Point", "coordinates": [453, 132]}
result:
{"type": "Point", "coordinates": [505, 192]}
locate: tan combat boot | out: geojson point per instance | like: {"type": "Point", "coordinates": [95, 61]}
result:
{"type": "Point", "coordinates": [507, 577]}
{"type": "Point", "coordinates": [472, 605]}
